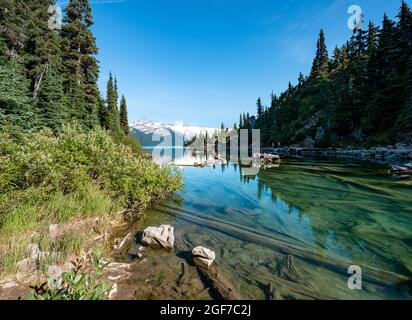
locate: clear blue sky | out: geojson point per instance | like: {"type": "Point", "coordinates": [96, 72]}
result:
{"type": "Point", "coordinates": [205, 61]}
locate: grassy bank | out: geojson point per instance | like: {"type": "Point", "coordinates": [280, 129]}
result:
{"type": "Point", "coordinates": [76, 179]}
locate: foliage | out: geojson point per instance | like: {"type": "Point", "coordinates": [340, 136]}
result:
{"type": "Point", "coordinates": [66, 162]}
{"type": "Point", "coordinates": [76, 284]}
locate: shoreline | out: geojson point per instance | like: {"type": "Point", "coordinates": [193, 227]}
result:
{"type": "Point", "coordinates": [389, 155]}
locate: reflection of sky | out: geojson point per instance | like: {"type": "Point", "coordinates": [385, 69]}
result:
{"type": "Point", "coordinates": [220, 188]}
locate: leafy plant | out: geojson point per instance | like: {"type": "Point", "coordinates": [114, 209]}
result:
{"type": "Point", "coordinates": [76, 284]}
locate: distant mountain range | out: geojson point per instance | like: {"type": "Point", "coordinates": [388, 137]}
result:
{"type": "Point", "coordinates": [144, 130]}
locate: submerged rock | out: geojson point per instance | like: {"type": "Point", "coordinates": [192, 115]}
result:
{"type": "Point", "coordinates": [402, 172]}
{"type": "Point", "coordinates": [136, 252]}
{"type": "Point", "coordinates": [203, 257]}
{"type": "Point", "coordinates": [266, 161]}
{"type": "Point", "coordinates": [159, 237]}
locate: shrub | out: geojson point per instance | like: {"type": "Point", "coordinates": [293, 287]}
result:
{"type": "Point", "coordinates": [75, 158]}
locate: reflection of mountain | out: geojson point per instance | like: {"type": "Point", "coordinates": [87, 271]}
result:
{"type": "Point", "coordinates": [147, 130]}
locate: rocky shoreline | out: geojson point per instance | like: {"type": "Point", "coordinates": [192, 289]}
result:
{"type": "Point", "coordinates": [398, 154]}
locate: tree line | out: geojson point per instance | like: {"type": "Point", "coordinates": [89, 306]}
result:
{"type": "Point", "coordinates": [48, 77]}
{"type": "Point", "coordinates": [361, 95]}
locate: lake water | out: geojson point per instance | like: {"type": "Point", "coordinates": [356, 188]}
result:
{"type": "Point", "coordinates": [292, 232]}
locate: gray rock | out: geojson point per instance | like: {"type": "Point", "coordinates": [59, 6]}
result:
{"type": "Point", "coordinates": [136, 252]}
{"type": "Point", "coordinates": [159, 237]}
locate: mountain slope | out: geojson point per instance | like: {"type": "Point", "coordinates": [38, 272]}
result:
{"type": "Point", "coordinates": [146, 131]}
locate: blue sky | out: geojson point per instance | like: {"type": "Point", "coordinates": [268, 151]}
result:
{"type": "Point", "coordinates": [205, 61]}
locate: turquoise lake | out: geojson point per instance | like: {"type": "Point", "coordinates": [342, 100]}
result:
{"type": "Point", "coordinates": [292, 232]}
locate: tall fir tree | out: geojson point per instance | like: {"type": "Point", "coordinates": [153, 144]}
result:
{"type": "Point", "coordinates": [259, 107]}
{"type": "Point", "coordinates": [320, 65]}
{"type": "Point", "coordinates": [16, 106]}
{"type": "Point", "coordinates": [124, 120]}
{"type": "Point", "coordinates": [81, 66]}
{"type": "Point", "coordinates": [113, 118]}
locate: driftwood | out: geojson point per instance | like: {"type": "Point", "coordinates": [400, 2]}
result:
{"type": "Point", "coordinates": [213, 278]}
{"type": "Point", "coordinates": [289, 271]}
{"type": "Point", "coordinates": [334, 263]}
{"type": "Point", "coordinates": [219, 284]}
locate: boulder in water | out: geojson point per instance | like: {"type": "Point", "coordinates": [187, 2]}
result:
{"type": "Point", "coordinates": [266, 161]}
{"type": "Point", "coordinates": [203, 257]}
{"type": "Point", "coordinates": [159, 237]}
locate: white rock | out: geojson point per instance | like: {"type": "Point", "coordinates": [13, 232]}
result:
{"type": "Point", "coordinates": [204, 253]}
{"type": "Point", "coordinates": [203, 257]}
{"type": "Point", "coordinates": [159, 237]}
{"type": "Point", "coordinates": [54, 231]}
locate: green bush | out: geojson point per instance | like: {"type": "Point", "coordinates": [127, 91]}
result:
{"type": "Point", "coordinates": [46, 178]}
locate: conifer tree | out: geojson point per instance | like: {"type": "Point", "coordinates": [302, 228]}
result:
{"type": "Point", "coordinates": [124, 121]}
{"type": "Point", "coordinates": [259, 111]}
{"type": "Point", "coordinates": [81, 66]}
{"type": "Point", "coordinates": [113, 118]}
{"type": "Point", "coordinates": [50, 102]}
{"type": "Point", "coordinates": [16, 107]}
{"type": "Point", "coordinates": [320, 65]}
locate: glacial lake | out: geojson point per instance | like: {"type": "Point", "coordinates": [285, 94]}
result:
{"type": "Point", "coordinates": [292, 232]}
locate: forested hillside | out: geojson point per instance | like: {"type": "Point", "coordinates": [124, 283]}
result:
{"type": "Point", "coordinates": [360, 95]}
{"type": "Point", "coordinates": [48, 76]}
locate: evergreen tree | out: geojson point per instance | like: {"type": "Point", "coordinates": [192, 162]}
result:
{"type": "Point", "coordinates": [124, 121]}
{"type": "Point", "coordinates": [259, 111]}
{"type": "Point", "coordinates": [16, 107]}
{"type": "Point", "coordinates": [81, 66]}
{"type": "Point", "coordinates": [113, 118]}
{"type": "Point", "coordinates": [51, 104]}
{"type": "Point", "coordinates": [320, 65]}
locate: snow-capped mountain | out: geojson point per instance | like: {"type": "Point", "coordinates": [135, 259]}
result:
{"type": "Point", "coordinates": [144, 129]}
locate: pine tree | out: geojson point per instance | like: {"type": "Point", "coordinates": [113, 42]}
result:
{"type": "Point", "coordinates": [14, 15]}
{"type": "Point", "coordinates": [113, 118]}
{"type": "Point", "coordinates": [43, 64]}
{"type": "Point", "coordinates": [124, 121]}
{"type": "Point", "coordinates": [16, 107]}
{"type": "Point", "coordinates": [320, 65]}
{"type": "Point", "coordinates": [336, 58]}
{"type": "Point", "coordinates": [259, 112]}
{"type": "Point", "coordinates": [51, 103]}
{"type": "Point", "coordinates": [81, 66]}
